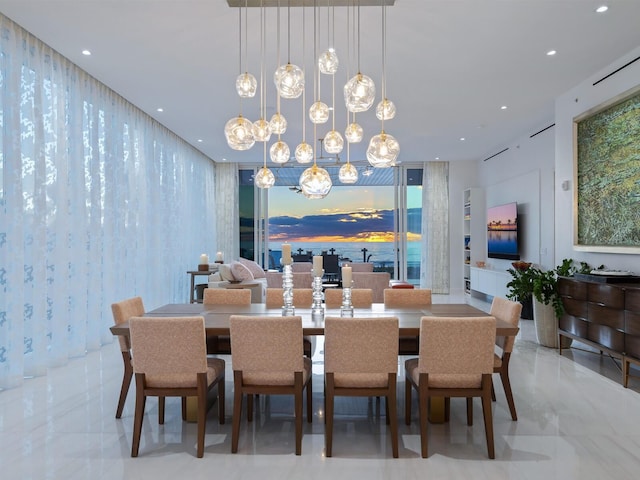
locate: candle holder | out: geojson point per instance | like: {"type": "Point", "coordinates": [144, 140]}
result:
{"type": "Point", "coordinates": [288, 309]}
{"type": "Point", "coordinates": [346, 310]}
{"type": "Point", "coordinates": [317, 310]}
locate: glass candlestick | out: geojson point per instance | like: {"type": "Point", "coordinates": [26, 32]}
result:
{"type": "Point", "coordinates": [317, 310]}
{"type": "Point", "coordinates": [288, 309]}
{"type": "Point", "coordinates": [346, 310]}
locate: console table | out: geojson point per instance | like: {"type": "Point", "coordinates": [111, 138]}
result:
{"type": "Point", "coordinates": [193, 274]}
{"type": "Point", "coordinates": [603, 315]}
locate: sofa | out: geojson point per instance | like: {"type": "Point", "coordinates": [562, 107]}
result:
{"type": "Point", "coordinates": [242, 271]}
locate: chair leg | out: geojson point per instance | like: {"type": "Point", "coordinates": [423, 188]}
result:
{"type": "Point", "coordinates": [486, 413]}
{"type": "Point", "coordinates": [506, 384]}
{"type": "Point", "coordinates": [202, 412]}
{"type": "Point", "coordinates": [161, 410]}
{"type": "Point", "coordinates": [493, 393]}
{"type": "Point", "coordinates": [221, 400]}
{"type": "Point", "coordinates": [126, 382]}
{"type": "Point", "coordinates": [309, 401]}
{"type": "Point", "coordinates": [237, 410]}
{"type": "Point", "coordinates": [424, 414]}
{"type": "Point", "coordinates": [138, 416]}
{"type": "Point", "coordinates": [447, 408]}
{"type": "Point", "coordinates": [299, 386]}
{"type": "Point", "coordinates": [183, 408]}
{"type": "Point", "coordinates": [407, 400]}
{"type": "Point", "coordinates": [625, 372]}
{"type": "Point", "coordinates": [329, 401]}
{"type": "Point", "coordinates": [250, 408]}
{"type": "Point", "coordinates": [392, 414]}
{"type": "Point", "coordinates": [469, 411]}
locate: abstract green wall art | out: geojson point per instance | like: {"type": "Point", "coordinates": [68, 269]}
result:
{"type": "Point", "coordinates": [608, 178]}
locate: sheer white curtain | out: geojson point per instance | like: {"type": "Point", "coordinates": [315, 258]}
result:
{"type": "Point", "coordinates": [227, 207]}
{"type": "Point", "coordinates": [434, 268]}
{"type": "Point", "coordinates": [98, 203]}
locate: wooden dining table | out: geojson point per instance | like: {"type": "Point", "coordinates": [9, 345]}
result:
{"type": "Point", "coordinates": [216, 319]}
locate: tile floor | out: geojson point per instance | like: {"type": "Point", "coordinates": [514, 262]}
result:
{"type": "Point", "coordinates": [576, 421]}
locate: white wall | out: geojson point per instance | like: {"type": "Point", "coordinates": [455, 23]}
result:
{"type": "Point", "coordinates": [575, 102]}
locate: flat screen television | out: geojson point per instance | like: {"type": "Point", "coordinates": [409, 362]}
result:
{"type": "Point", "coordinates": [502, 232]}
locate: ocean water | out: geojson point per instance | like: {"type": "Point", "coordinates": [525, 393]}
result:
{"type": "Point", "coordinates": [378, 253]}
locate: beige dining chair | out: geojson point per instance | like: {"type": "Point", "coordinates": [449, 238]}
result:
{"type": "Point", "coordinates": [405, 297]}
{"type": "Point", "coordinates": [123, 311]}
{"type": "Point", "coordinates": [361, 359]}
{"type": "Point", "coordinates": [268, 359]}
{"type": "Point", "coordinates": [221, 344]}
{"type": "Point", "coordinates": [360, 297]}
{"type": "Point", "coordinates": [509, 311]}
{"type": "Point", "coordinates": [302, 298]}
{"type": "Point", "coordinates": [456, 360]}
{"type": "Point", "coordinates": [170, 360]}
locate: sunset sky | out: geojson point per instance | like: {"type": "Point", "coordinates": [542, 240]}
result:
{"type": "Point", "coordinates": [347, 214]}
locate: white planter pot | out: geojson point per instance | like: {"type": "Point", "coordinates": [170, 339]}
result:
{"type": "Point", "coordinates": [546, 322]}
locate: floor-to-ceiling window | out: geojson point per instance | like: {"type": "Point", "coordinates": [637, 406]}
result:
{"type": "Point", "coordinates": [377, 219]}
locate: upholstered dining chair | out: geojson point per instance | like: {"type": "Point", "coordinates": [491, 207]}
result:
{"type": "Point", "coordinates": [268, 359]}
{"type": "Point", "coordinates": [361, 359]}
{"type": "Point", "coordinates": [456, 360]}
{"type": "Point", "coordinates": [302, 298]}
{"type": "Point", "coordinates": [221, 344]}
{"type": "Point", "coordinates": [123, 311]}
{"type": "Point", "coordinates": [360, 297]}
{"type": "Point", "coordinates": [509, 311]}
{"type": "Point", "coordinates": [404, 297]}
{"type": "Point", "coordinates": [170, 359]}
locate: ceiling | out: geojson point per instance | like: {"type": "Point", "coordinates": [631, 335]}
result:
{"type": "Point", "coordinates": [450, 64]}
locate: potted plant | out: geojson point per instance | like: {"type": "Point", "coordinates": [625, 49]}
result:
{"type": "Point", "coordinates": [547, 304]}
{"type": "Point", "coordinates": [521, 287]}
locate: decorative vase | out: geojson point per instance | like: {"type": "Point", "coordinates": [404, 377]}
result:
{"type": "Point", "coordinates": [546, 323]}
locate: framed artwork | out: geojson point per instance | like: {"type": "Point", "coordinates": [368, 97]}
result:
{"type": "Point", "coordinates": [607, 177]}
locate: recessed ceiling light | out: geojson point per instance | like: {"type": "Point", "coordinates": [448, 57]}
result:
{"type": "Point", "coordinates": [462, 139]}
{"type": "Point", "coordinates": [199, 140]}
{"type": "Point", "coordinates": [86, 52]}
{"type": "Point", "coordinates": [437, 158]}
{"type": "Point", "coordinates": [602, 9]}
{"type": "Point", "coordinates": [503, 107]}
{"type": "Point", "coordinates": [160, 109]}
{"type": "Point", "coordinates": [550, 53]}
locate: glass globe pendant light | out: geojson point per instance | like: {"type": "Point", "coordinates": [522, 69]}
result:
{"type": "Point", "coordinates": [348, 174]}
{"type": "Point", "coordinates": [315, 182]}
{"type": "Point", "coordinates": [359, 93]}
{"type": "Point", "coordinates": [264, 178]}
{"type": "Point", "coordinates": [246, 84]}
{"type": "Point", "coordinates": [289, 78]}
{"type": "Point", "coordinates": [278, 124]}
{"type": "Point", "coordinates": [261, 130]}
{"type": "Point", "coordinates": [333, 141]}
{"type": "Point", "coordinates": [383, 150]}
{"type": "Point", "coordinates": [354, 132]}
{"type": "Point", "coordinates": [239, 133]}
{"type": "Point", "coordinates": [304, 152]}
{"type": "Point", "coordinates": [319, 112]}
{"type": "Point", "coordinates": [261, 127]}
{"type": "Point", "coordinates": [328, 62]}
{"type": "Point", "coordinates": [385, 110]}
{"type": "Point", "coordinates": [279, 152]}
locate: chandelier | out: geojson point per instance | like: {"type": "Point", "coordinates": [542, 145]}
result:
{"type": "Point", "coordinates": [358, 91]}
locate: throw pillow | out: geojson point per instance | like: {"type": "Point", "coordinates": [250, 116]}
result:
{"type": "Point", "coordinates": [240, 272]}
{"type": "Point", "coordinates": [225, 272]}
{"type": "Point", "coordinates": [254, 267]}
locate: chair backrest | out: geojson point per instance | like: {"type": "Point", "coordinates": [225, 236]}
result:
{"type": "Point", "coordinates": [456, 351]}
{"type": "Point", "coordinates": [170, 351]}
{"type": "Point", "coordinates": [330, 263]}
{"type": "Point", "coordinates": [361, 267]}
{"type": "Point", "coordinates": [267, 349]}
{"type": "Point", "coordinates": [301, 267]}
{"type": "Point", "coordinates": [361, 345]}
{"type": "Point", "coordinates": [376, 281]}
{"type": "Point", "coordinates": [404, 297]}
{"type": "Point", "coordinates": [227, 296]}
{"type": "Point", "coordinates": [508, 311]}
{"type": "Point", "coordinates": [302, 297]}
{"type": "Point", "coordinates": [360, 297]}
{"type": "Point", "coordinates": [123, 311]}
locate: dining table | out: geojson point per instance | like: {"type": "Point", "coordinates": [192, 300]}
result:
{"type": "Point", "coordinates": [216, 319]}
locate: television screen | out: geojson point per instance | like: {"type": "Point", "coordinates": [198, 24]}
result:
{"type": "Point", "coordinates": [502, 232]}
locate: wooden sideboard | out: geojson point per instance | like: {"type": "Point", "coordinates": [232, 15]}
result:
{"type": "Point", "coordinates": [603, 315]}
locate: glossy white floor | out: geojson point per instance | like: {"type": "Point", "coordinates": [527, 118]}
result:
{"type": "Point", "coordinates": [576, 421]}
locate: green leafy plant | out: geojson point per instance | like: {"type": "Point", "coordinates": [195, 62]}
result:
{"type": "Point", "coordinates": [521, 285]}
{"type": "Point", "coordinates": [545, 283]}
